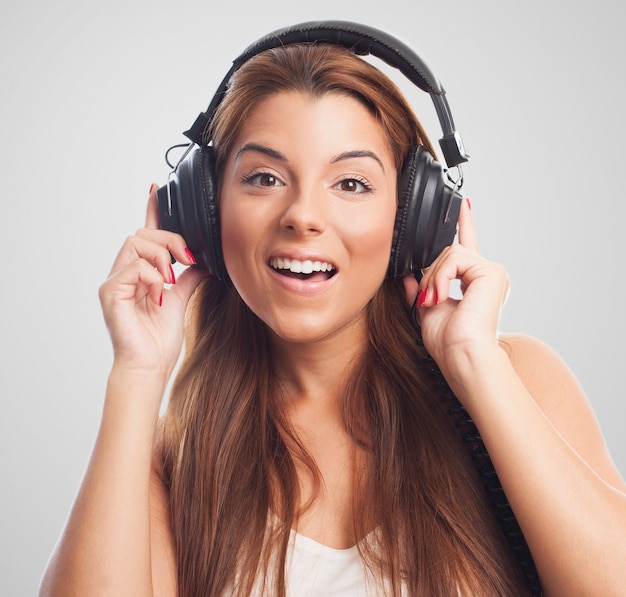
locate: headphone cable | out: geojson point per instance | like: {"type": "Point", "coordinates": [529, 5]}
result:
{"type": "Point", "coordinates": [485, 468]}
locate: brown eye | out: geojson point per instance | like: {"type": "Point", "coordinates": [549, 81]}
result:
{"type": "Point", "coordinates": [353, 185]}
{"type": "Point", "coordinates": [267, 180]}
{"type": "Point", "coordinates": [262, 179]}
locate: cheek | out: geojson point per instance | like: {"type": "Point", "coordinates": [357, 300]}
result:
{"type": "Point", "coordinates": [375, 232]}
{"type": "Point", "coordinates": [235, 236]}
{"type": "Point", "coordinates": [369, 264]}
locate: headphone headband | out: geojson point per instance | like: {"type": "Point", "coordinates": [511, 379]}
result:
{"type": "Point", "coordinates": [361, 40]}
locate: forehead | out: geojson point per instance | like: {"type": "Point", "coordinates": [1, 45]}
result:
{"type": "Point", "coordinates": [335, 121]}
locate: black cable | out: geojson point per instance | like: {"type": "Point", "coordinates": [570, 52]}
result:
{"type": "Point", "coordinates": [167, 153]}
{"type": "Point", "coordinates": [487, 472]}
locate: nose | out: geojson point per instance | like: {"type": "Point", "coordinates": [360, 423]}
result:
{"type": "Point", "coordinates": [304, 212]}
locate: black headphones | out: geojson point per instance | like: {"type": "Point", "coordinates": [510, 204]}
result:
{"type": "Point", "coordinates": [428, 199]}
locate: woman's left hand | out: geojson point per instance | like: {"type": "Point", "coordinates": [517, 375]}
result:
{"type": "Point", "coordinates": [534, 420]}
{"type": "Point", "coordinates": [456, 331]}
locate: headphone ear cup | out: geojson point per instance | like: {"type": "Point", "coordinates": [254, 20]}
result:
{"type": "Point", "coordinates": [188, 206]}
{"type": "Point", "coordinates": [428, 211]}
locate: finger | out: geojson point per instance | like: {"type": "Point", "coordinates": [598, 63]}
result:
{"type": "Point", "coordinates": [140, 247]}
{"type": "Point", "coordinates": [411, 287]}
{"type": "Point", "coordinates": [476, 273]}
{"type": "Point", "coordinates": [428, 274]}
{"type": "Point", "coordinates": [148, 278]}
{"type": "Point", "coordinates": [467, 229]}
{"type": "Point", "coordinates": [133, 282]}
{"type": "Point", "coordinates": [172, 241]}
{"type": "Point", "coordinates": [187, 283]}
{"type": "Point", "coordinates": [153, 221]}
{"type": "Point", "coordinates": [455, 263]}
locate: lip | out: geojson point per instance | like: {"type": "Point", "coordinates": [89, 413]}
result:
{"type": "Point", "coordinates": [296, 285]}
{"type": "Point", "coordinates": [300, 255]}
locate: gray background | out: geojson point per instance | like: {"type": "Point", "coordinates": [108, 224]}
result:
{"type": "Point", "coordinates": [94, 92]}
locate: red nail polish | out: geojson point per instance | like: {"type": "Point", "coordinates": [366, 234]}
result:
{"type": "Point", "coordinates": [469, 203]}
{"type": "Point", "coordinates": [190, 256]}
{"type": "Point", "coordinates": [161, 300]}
{"type": "Point", "coordinates": [152, 187]}
{"type": "Point", "coordinates": [421, 297]}
{"type": "Point", "coordinates": [172, 276]}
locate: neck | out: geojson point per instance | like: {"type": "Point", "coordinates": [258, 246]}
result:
{"type": "Point", "coordinates": [316, 373]}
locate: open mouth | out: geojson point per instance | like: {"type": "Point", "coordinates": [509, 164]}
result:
{"type": "Point", "coordinates": [303, 270]}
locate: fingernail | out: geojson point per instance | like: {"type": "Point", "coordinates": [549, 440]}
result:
{"type": "Point", "coordinates": [172, 276]}
{"type": "Point", "coordinates": [421, 297]}
{"type": "Point", "coordinates": [190, 256]}
{"type": "Point", "coordinates": [161, 300]}
{"type": "Point", "coordinates": [469, 203]}
{"type": "Point", "coordinates": [152, 187]}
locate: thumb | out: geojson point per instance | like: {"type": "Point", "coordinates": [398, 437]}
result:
{"type": "Point", "coordinates": [188, 281]}
{"type": "Point", "coordinates": [411, 286]}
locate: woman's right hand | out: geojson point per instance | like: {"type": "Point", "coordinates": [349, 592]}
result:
{"type": "Point", "coordinates": [143, 316]}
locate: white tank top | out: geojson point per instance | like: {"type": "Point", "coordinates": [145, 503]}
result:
{"type": "Point", "coordinates": [315, 570]}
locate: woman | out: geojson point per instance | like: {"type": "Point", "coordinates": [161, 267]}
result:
{"type": "Point", "coordinates": [304, 449]}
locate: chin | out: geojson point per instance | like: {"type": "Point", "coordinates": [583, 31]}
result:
{"type": "Point", "coordinates": [315, 330]}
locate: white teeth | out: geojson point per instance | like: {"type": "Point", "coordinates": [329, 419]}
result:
{"type": "Point", "coordinates": [295, 266]}
{"type": "Point", "coordinates": [301, 267]}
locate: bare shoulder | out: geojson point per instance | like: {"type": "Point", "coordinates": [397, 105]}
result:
{"type": "Point", "coordinates": [545, 375]}
{"type": "Point", "coordinates": [164, 573]}
{"type": "Point", "coordinates": [562, 399]}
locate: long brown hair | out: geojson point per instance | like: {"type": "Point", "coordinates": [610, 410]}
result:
{"type": "Point", "coordinates": [230, 454]}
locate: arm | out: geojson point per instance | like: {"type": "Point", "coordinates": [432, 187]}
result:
{"type": "Point", "coordinates": [561, 399]}
{"type": "Point", "coordinates": [554, 467]}
{"type": "Point", "coordinates": [117, 531]}
{"type": "Point", "coordinates": [536, 423]}
{"type": "Point", "coordinates": [164, 569]}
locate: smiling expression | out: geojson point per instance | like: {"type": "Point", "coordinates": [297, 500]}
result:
{"type": "Point", "coordinates": [308, 205]}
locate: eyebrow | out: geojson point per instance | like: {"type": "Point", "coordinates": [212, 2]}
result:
{"type": "Point", "coordinates": [262, 149]}
{"type": "Point", "coordinates": [346, 155]}
{"type": "Point", "coordinates": [361, 153]}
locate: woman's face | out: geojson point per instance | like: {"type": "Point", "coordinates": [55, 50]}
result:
{"type": "Point", "coordinates": [308, 203]}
